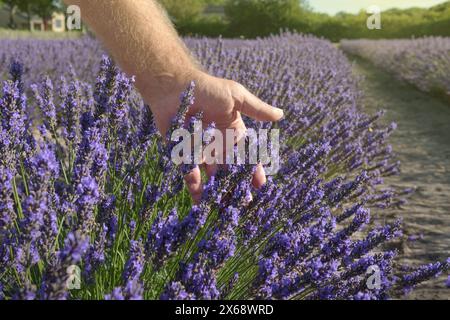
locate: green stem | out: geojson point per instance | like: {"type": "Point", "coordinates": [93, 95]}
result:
{"type": "Point", "coordinates": [17, 199]}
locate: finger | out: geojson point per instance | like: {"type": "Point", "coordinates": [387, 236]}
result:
{"type": "Point", "coordinates": [235, 135]}
{"type": "Point", "coordinates": [240, 133]}
{"type": "Point", "coordinates": [194, 184]}
{"type": "Point", "coordinates": [259, 177]}
{"type": "Point", "coordinates": [259, 110]}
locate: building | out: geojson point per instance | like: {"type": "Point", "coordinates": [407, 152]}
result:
{"type": "Point", "coordinates": [55, 24]}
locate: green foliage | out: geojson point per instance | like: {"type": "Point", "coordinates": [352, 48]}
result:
{"type": "Point", "coordinates": [215, 2]}
{"type": "Point", "coordinates": [206, 26]}
{"type": "Point", "coordinates": [183, 10]}
{"type": "Point", "coordinates": [414, 22]}
{"type": "Point", "coordinates": [43, 8]}
{"type": "Point", "coordinates": [252, 18]}
{"type": "Point", "coordinates": [12, 7]}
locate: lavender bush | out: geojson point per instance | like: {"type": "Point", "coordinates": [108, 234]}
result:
{"type": "Point", "coordinates": [51, 57]}
{"type": "Point", "coordinates": [423, 62]}
{"type": "Point", "coordinates": [86, 182]}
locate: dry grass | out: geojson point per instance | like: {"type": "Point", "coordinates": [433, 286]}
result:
{"type": "Point", "coordinates": [47, 35]}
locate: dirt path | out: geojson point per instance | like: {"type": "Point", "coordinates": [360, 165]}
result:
{"type": "Point", "coordinates": [422, 143]}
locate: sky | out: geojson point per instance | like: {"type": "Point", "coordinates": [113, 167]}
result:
{"type": "Point", "coordinates": [353, 6]}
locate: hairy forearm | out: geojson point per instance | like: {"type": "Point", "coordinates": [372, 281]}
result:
{"type": "Point", "coordinates": [142, 40]}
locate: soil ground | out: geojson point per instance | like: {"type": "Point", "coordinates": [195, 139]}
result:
{"type": "Point", "coordinates": [422, 143]}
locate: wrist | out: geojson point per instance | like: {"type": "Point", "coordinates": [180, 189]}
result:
{"type": "Point", "coordinates": [160, 87]}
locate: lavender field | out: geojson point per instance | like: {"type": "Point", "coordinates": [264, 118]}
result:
{"type": "Point", "coordinates": [423, 62]}
{"type": "Point", "coordinates": [87, 182]}
{"type": "Point", "coordinates": [421, 144]}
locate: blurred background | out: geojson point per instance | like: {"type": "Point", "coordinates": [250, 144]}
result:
{"type": "Point", "coordinates": [331, 19]}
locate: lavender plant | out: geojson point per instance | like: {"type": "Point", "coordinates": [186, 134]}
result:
{"type": "Point", "coordinates": [423, 62]}
{"type": "Point", "coordinates": [87, 183]}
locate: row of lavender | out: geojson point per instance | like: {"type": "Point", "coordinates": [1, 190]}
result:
{"type": "Point", "coordinates": [423, 62]}
{"type": "Point", "coordinates": [87, 187]}
{"type": "Point", "coordinates": [52, 57]}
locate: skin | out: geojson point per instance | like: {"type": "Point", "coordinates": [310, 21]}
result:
{"type": "Point", "coordinates": [144, 43]}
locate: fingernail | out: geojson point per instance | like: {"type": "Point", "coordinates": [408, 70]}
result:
{"type": "Point", "coordinates": [280, 112]}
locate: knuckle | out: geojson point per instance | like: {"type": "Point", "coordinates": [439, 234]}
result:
{"type": "Point", "coordinates": [237, 92]}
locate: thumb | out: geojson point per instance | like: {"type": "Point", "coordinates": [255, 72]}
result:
{"type": "Point", "coordinates": [259, 110]}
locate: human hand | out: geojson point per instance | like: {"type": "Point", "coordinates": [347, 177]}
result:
{"type": "Point", "coordinates": [221, 101]}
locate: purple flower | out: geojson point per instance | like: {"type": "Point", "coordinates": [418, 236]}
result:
{"type": "Point", "coordinates": [13, 123]}
{"type": "Point", "coordinates": [425, 272]}
{"type": "Point", "coordinates": [70, 96]}
{"type": "Point", "coordinates": [44, 98]}
{"type": "Point", "coordinates": [197, 282]}
{"type": "Point", "coordinates": [133, 290]}
{"type": "Point", "coordinates": [55, 281]}
{"type": "Point", "coordinates": [164, 237]}
{"type": "Point", "coordinates": [96, 254]}
{"type": "Point", "coordinates": [187, 100]}
{"type": "Point", "coordinates": [99, 178]}
{"type": "Point", "coordinates": [7, 213]}
{"type": "Point", "coordinates": [116, 294]}
{"type": "Point", "coordinates": [135, 264]}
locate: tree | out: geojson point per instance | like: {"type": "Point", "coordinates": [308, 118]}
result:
{"type": "Point", "coordinates": [12, 6]}
{"type": "Point", "coordinates": [25, 6]}
{"type": "Point", "coordinates": [215, 2]}
{"type": "Point", "coordinates": [44, 9]}
{"type": "Point", "coordinates": [183, 10]}
{"type": "Point", "coordinates": [254, 18]}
